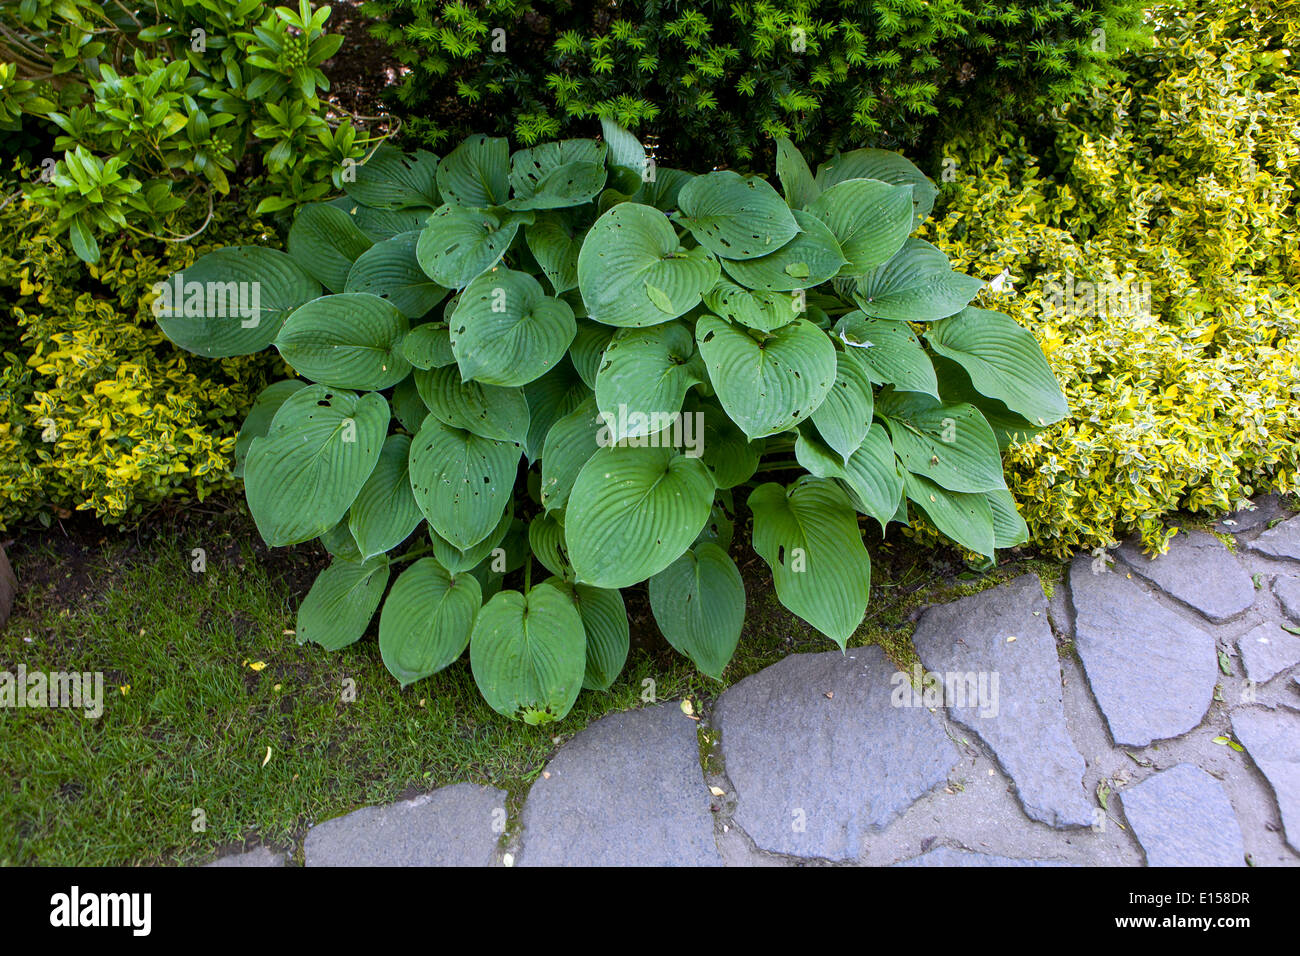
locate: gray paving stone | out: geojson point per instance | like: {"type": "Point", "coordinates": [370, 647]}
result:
{"type": "Point", "coordinates": [1272, 738]}
{"type": "Point", "coordinates": [1001, 638]}
{"type": "Point", "coordinates": [947, 856]}
{"type": "Point", "coordinates": [1287, 589]}
{"type": "Point", "coordinates": [1267, 507]}
{"type": "Point", "coordinates": [1267, 650]}
{"type": "Point", "coordinates": [458, 825]}
{"type": "Point", "coordinates": [1282, 541]}
{"type": "Point", "coordinates": [819, 752]}
{"type": "Point", "coordinates": [1199, 571]}
{"type": "Point", "coordinates": [259, 856]}
{"type": "Point", "coordinates": [626, 791]}
{"type": "Point", "coordinates": [1182, 817]}
{"type": "Point", "coordinates": [1152, 672]}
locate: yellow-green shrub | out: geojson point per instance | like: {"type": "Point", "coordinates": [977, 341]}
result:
{"type": "Point", "coordinates": [98, 411]}
{"type": "Point", "coordinates": [1184, 178]}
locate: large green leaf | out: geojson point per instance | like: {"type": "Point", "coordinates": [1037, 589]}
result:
{"type": "Point", "coordinates": [951, 444]}
{"type": "Point", "coordinates": [807, 260]}
{"type": "Point", "coordinates": [955, 386]}
{"type": "Point", "coordinates": [624, 148]}
{"type": "Point", "coordinates": [391, 179]}
{"type": "Point", "coordinates": [476, 173]}
{"type": "Point", "coordinates": [764, 311]}
{"type": "Point", "coordinates": [661, 187]}
{"type": "Point", "coordinates": [890, 352]}
{"type": "Point", "coordinates": [546, 541]}
{"type": "Point", "coordinates": [965, 518]}
{"type": "Point", "coordinates": [459, 243]}
{"type": "Point", "coordinates": [408, 407]}
{"type": "Point", "coordinates": [258, 422]}
{"type": "Point", "coordinates": [507, 331]}
{"type": "Point", "coordinates": [604, 619]}
{"type": "Point", "coordinates": [588, 350]}
{"type": "Point", "coordinates": [796, 178]}
{"type": "Point", "coordinates": [427, 619]}
{"type": "Point", "coordinates": [381, 224]}
{"type": "Point", "coordinates": [1009, 529]}
{"type": "Point", "coordinates": [870, 219]}
{"type": "Point", "coordinates": [699, 604]}
{"type": "Point", "coordinates": [1003, 361]}
{"type": "Point", "coordinates": [462, 482]}
{"type": "Point", "coordinates": [871, 473]}
{"type": "Point", "coordinates": [554, 175]}
{"type": "Point", "coordinates": [844, 419]}
{"type": "Point", "coordinates": [769, 385]}
{"type": "Point", "coordinates": [350, 340]}
{"type": "Point", "coordinates": [643, 377]}
{"type": "Point", "coordinates": [529, 654]}
{"type": "Point", "coordinates": [429, 346]}
{"type": "Point", "coordinates": [886, 166]}
{"type": "Point", "coordinates": [633, 271]}
{"type": "Point", "coordinates": [455, 560]}
{"type": "Point", "coordinates": [916, 285]}
{"type": "Point", "coordinates": [569, 444]}
{"type": "Point", "coordinates": [391, 270]}
{"type": "Point", "coordinates": [232, 301]}
{"type": "Point", "coordinates": [550, 398]}
{"type": "Point", "coordinates": [633, 511]}
{"type": "Point", "coordinates": [809, 537]}
{"type": "Point", "coordinates": [325, 241]}
{"type": "Point", "coordinates": [734, 216]}
{"type": "Point", "coordinates": [555, 239]}
{"type": "Point", "coordinates": [341, 602]}
{"type": "Point", "coordinates": [385, 512]}
{"type": "Point", "coordinates": [322, 446]}
{"type": "Point", "coordinates": [492, 411]}
{"type": "Point", "coordinates": [729, 455]}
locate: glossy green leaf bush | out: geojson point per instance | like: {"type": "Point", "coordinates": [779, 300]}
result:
{"type": "Point", "coordinates": [717, 82]}
{"type": "Point", "coordinates": [568, 359]}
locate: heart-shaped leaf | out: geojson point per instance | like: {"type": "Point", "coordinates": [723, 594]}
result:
{"type": "Point", "coordinates": [765, 311]}
{"type": "Point", "coordinates": [916, 285]}
{"type": "Point", "coordinates": [886, 166]}
{"type": "Point", "coordinates": [350, 340]}
{"type": "Point", "coordinates": [604, 620]}
{"type": "Point", "coordinates": [385, 512]}
{"type": "Point", "coordinates": [643, 377]}
{"type": "Point", "coordinates": [555, 239]}
{"type": "Point", "coordinates": [459, 243]}
{"type": "Point", "coordinates": [890, 352]}
{"type": "Point", "coordinates": [342, 600]}
{"type": "Point", "coordinates": [258, 422]}
{"type": "Point", "coordinates": [870, 220]}
{"type": "Point", "coordinates": [427, 620]}
{"type": "Point", "coordinates": [950, 444]}
{"type": "Point", "coordinates": [462, 482]}
{"type": "Point", "coordinates": [325, 241]}
{"type": "Point", "coordinates": [455, 560]}
{"type": "Point", "coordinates": [809, 259]}
{"type": "Point", "coordinates": [491, 411]}
{"type": "Point", "coordinates": [699, 604]}
{"type": "Point", "coordinates": [391, 179]}
{"type": "Point", "coordinates": [390, 269]}
{"type": "Point", "coordinates": [965, 518]}
{"type": "Point", "coordinates": [844, 419]}
{"type": "Point", "coordinates": [428, 346]}
{"type": "Point", "coordinates": [507, 331]}
{"type": "Point", "coordinates": [476, 173]}
{"type": "Point", "coordinates": [734, 216]}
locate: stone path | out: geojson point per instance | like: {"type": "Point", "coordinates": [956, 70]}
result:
{"type": "Point", "coordinates": [1148, 712]}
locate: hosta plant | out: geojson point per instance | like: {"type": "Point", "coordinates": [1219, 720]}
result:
{"type": "Point", "coordinates": [568, 361]}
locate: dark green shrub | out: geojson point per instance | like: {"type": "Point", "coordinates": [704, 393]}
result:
{"type": "Point", "coordinates": [717, 82]}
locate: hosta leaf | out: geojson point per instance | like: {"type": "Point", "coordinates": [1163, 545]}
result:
{"type": "Point", "coordinates": [734, 216]}
{"type": "Point", "coordinates": [769, 386]}
{"type": "Point", "coordinates": [476, 173]}
{"type": "Point", "coordinates": [462, 482]}
{"type": "Point", "coordinates": [886, 166]}
{"type": "Point", "coordinates": [624, 148]}
{"type": "Point", "coordinates": [459, 244]}
{"type": "Point", "coordinates": [729, 455]}
{"type": "Point", "coordinates": [955, 387]}
{"type": "Point", "coordinates": [258, 422]}
{"type": "Point", "coordinates": [765, 311]}
{"type": "Point", "coordinates": [950, 444]}
{"type": "Point", "coordinates": [491, 411]}
{"type": "Point", "coordinates": [391, 179]}
{"type": "Point", "coordinates": [604, 619]}
{"type": "Point", "coordinates": [965, 518]}
{"type": "Point", "coordinates": [871, 473]}
{"type": "Point", "coordinates": [546, 541]}
{"type": "Point", "coordinates": [455, 560]}
{"type": "Point", "coordinates": [427, 619]}
{"type": "Point", "coordinates": [555, 239]}
{"type": "Point", "coordinates": [390, 269]}
{"type": "Point", "coordinates": [1003, 361]}
{"type": "Point", "coordinates": [322, 446]}
{"type": "Point", "coordinates": [796, 178]}
{"type": "Point", "coordinates": [550, 398]}
{"type": "Point", "coordinates": [631, 250]}
{"type": "Point", "coordinates": [807, 260]}
{"type": "Point", "coordinates": [554, 175]}
{"type": "Point", "coordinates": [507, 331]}
{"type": "Point", "coordinates": [588, 350]}
{"type": "Point", "coordinates": [699, 604]}
{"type": "Point", "coordinates": [870, 220]}
{"type": "Point", "coordinates": [529, 654]}
{"type": "Point", "coordinates": [385, 512]}
{"type": "Point", "coordinates": [643, 377]}
{"type": "Point", "coordinates": [569, 445]}
{"type": "Point", "coordinates": [633, 511]}
{"type": "Point", "coordinates": [844, 419]}
{"type": "Point", "coordinates": [1009, 529]}
{"type": "Point", "coordinates": [916, 285]}
{"type": "Point", "coordinates": [429, 346]}
{"type": "Point", "coordinates": [664, 190]}
{"type": "Point", "coordinates": [342, 600]}
{"type": "Point", "coordinates": [890, 352]}
{"type": "Point", "coordinates": [408, 407]}
{"type": "Point", "coordinates": [809, 537]}
{"type": "Point", "coordinates": [381, 224]}
{"type": "Point", "coordinates": [325, 241]}
{"type": "Point", "coordinates": [232, 301]}
{"type": "Point", "coordinates": [350, 340]}
{"type": "Point", "coordinates": [338, 541]}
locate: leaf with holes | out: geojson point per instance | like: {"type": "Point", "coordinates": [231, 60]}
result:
{"type": "Point", "coordinates": [385, 512]}
{"type": "Point", "coordinates": [491, 411]}
{"type": "Point", "coordinates": [844, 419]}
{"type": "Point", "coordinates": [950, 444]}
{"type": "Point", "coordinates": [462, 482]}
{"type": "Point", "coordinates": [476, 174]}
{"type": "Point", "coordinates": [889, 351]}
{"type": "Point", "coordinates": [699, 604]}
{"type": "Point", "coordinates": [390, 269]}
{"type": "Point", "coordinates": [643, 378]}
{"type": "Point", "coordinates": [507, 331]}
{"type": "Point", "coordinates": [326, 242]}
{"type": "Point", "coordinates": [807, 260]}
{"type": "Point", "coordinates": [870, 220]}
{"type": "Point", "coordinates": [391, 179]}
{"type": "Point", "coordinates": [459, 244]}
{"type": "Point", "coordinates": [734, 216]}
{"type": "Point", "coordinates": [916, 285]}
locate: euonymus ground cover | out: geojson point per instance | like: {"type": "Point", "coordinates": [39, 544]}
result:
{"type": "Point", "coordinates": [565, 356]}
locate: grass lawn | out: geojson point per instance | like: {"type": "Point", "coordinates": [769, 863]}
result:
{"type": "Point", "coordinates": [210, 704]}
